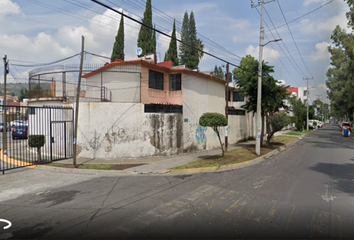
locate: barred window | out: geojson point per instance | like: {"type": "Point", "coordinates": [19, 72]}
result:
{"type": "Point", "coordinates": [155, 80]}
{"type": "Point", "coordinates": [237, 97]}
{"type": "Point", "coordinates": [175, 82]}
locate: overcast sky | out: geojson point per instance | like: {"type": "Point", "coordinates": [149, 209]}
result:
{"type": "Point", "coordinates": [40, 31]}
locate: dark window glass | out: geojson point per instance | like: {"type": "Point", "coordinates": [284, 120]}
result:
{"type": "Point", "coordinates": [159, 108]}
{"type": "Point", "coordinates": [155, 80]}
{"type": "Point", "coordinates": [175, 82]}
{"type": "Point", "coordinates": [239, 112]}
{"type": "Point", "coordinates": [237, 97]}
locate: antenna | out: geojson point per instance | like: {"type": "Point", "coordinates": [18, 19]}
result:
{"type": "Point", "coordinates": [139, 51]}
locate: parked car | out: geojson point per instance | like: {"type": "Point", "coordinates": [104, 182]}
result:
{"type": "Point", "coordinates": [19, 132]}
{"type": "Point", "coordinates": [17, 123]}
{"type": "Point", "coordinates": [8, 128]}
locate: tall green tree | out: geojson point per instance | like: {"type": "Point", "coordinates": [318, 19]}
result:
{"type": "Point", "coordinates": [340, 74]}
{"type": "Point", "coordinates": [300, 112]}
{"type": "Point", "coordinates": [273, 93]}
{"type": "Point", "coordinates": [145, 38]}
{"type": "Point", "coordinates": [24, 93]}
{"type": "Point", "coordinates": [172, 53]}
{"type": "Point", "coordinates": [218, 72]}
{"type": "Point", "coordinates": [118, 47]}
{"type": "Point", "coordinates": [189, 55]}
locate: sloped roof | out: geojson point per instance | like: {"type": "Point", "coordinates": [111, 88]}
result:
{"type": "Point", "coordinates": [163, 66]}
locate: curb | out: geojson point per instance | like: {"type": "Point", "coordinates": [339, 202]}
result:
{"type": "Point", "coordinates": [174, 171]}
{"type": "Point", "coordinates": [230, 166]}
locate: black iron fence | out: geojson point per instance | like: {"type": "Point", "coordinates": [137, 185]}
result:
{"type": "Point", "coordinates": [20, 127]}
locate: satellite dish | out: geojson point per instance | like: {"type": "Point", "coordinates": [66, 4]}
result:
{"type": "Point", "coordinates": [139, 51]}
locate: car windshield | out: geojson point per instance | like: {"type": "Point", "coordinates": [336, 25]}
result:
{"type": "Point", "coordinates": [21, 127]}
{"type": "Point", "coordinates": [346, 124]}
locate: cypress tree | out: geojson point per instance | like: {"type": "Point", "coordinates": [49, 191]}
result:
{"type": "Point", "coordinates": [172, 49]}
{"type": "Point", "coordinates": [189, 56]}
{"type": "Point", "coordinates": [183, 49]}
{"type": "Point", "coordinates": [154, 40]}
{"type": "Point", "coordinates": [193, 59]}
{"type": "Point", "coordinates": [145, 38]}
{"type": "Point", "coordinates": [118, 47]}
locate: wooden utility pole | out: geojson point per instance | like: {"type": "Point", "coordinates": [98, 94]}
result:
{"type": "Point", "coordinates": [227, 107]}
{"type": "Point", "coordinates": [4, 135]}
{"type": "Point", "coordinates": [77, 101]}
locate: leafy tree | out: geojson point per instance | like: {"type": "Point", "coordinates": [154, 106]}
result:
{"type": "Point", "coordinates": [145, 38]}
{"type": "Point", "coordinates": [118, 47]}
{"type": "Point", "coordinates": [36, 141]}
{"type": "Point", "coordinates": [340, 75]}
{"type": "Point", "coordinates": [172, 53]}
{"type": "Point", "coordinates": [154, 40]}
{"type": "Point", "coordinates": [277, 122]}
{"type": "Point", "coordinates": [300, 112]}
{"type": "Point", "coordinates": [24, 93]}
{"type": "Point", "coordinates": [218, 72]}
{"type": "Point", "coordinates": [189, 55]}
{"type": "Point", "coordinates": [273, 94]}
{"type": "Point", "coordinates": [215, 121]}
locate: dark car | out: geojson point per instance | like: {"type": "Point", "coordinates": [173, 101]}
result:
{"type": "Point", "coordinates": [19, 132]}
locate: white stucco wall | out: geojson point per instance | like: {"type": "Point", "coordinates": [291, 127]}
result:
{"type": "Point", "coordinates": [125, 87]}
{"type": "Point", "coordinates": [123, 130]}
{"type": "Point", "coordinates": [201, 95]}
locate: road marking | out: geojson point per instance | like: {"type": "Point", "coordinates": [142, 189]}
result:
{"type": "Point", "coordinates": [319, 224]}
{"type": "Point", "coordinates": [290, 216]}
{"type": "Point", "coordinates": [328, 196]}
{"type": "Point", "coordinates": [271, 212]}
{"type": "Point", "coordinates": [9, 224]}
{"type": "Point", "coordinates": [234, 204]}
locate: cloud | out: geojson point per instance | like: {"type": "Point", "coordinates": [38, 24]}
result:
{"type": "Point", "coordinates": [323, 26]}
{"type": "Point", "coordinates": [8, 7]}
{"type": "Point", "coordinates": [321, 52]}
{"type": "Point", "coordinates": [269, 54]}
{"type": "Point", "coordinates": [309, 2]}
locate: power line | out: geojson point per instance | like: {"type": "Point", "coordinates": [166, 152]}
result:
{"type": "Point", "coordinates": [46, 64]}
{"type": "Point", "coordinates": [302, 15]}
{"type": "Point", "coordinates": [281, 10]}
{"type": "Point", "coordinates": [165, 34]}
{"type": "Point", "coordinates": [297, 68]}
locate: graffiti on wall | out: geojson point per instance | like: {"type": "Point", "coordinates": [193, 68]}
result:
{"type": "Point", "coordinates": [200, 135]}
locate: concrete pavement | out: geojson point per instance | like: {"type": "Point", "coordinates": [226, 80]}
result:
{"type": "Point", "coordinates": [164, 164]}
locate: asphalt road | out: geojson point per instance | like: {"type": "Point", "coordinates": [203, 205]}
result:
{"type": "Point", "coordinates": [307, 191]}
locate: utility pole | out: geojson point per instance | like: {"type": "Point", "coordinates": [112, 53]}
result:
{"type": "Point", "coordinates": [227, 106]}
{"type": "Point", "coordinates": [307, 101]}
{"type": "Point", "coordinates": [77, 101]}
{"type": "Point", "coordinates": [259, 90]}
{"type": "Point", "coordinates": [4, 135]}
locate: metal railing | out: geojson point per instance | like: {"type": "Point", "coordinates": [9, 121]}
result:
{"type": "Point", "coordinates": [55, 124]}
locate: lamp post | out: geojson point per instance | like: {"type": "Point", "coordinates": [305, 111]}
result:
{"type": "Point", "coordinates": [259, 89]}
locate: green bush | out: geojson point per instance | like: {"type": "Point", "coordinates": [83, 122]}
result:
{"type": "Point", "coordinates": [214, 120]}
{"type": "Point", "coordinates": [36, 141]}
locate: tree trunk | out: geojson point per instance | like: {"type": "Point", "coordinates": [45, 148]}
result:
{"type": "Point", "coordinates": [222, 147]}
{"type": "Point", "coordinates": [39, 154]}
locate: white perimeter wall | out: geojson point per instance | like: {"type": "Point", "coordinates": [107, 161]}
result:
{"type": "Point", "coordinates": [123, 130]}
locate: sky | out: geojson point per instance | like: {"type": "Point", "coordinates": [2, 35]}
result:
{"type": "Point", "coordinates": [42, 31]}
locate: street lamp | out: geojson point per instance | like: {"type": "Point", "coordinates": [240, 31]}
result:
{"type": "Point", "coordinates": [259, 90]}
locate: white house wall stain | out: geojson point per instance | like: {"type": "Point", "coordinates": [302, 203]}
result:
{"type": "Point", "coordinates": [123, 130]}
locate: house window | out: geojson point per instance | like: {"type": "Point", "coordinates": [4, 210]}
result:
{"type": "Point", "coordinates": [159, 108]}
{"type": "Point", "coordinates": [155, 80]}
{"type": "Point", "coordinates": [237, 97]}
{"type": "Point", "coordinates": [239, 112]}
{"type": "Point", "coordinates": [175, 82]}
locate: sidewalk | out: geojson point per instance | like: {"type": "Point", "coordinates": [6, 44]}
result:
{"type": "Point", "coordinates": [163, 164]}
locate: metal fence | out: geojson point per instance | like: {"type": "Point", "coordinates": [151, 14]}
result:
{"type": "Point", "coordinates": [55, 124]}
